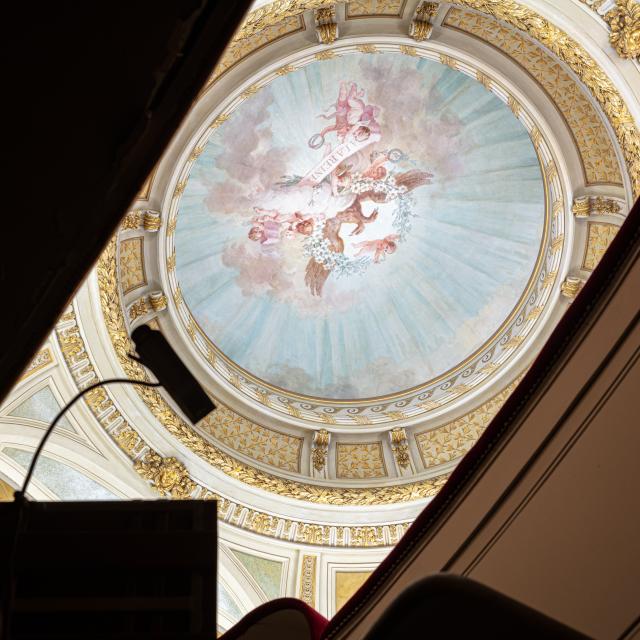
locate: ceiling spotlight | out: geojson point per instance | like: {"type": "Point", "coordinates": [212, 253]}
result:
{"type": "Point", "coordinates": [155, 353]}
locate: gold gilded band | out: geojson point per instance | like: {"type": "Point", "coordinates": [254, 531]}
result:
{"type": "Point", "coordinates": [114, 319]}
{"type": "Point", "coordinates": [536, 26]}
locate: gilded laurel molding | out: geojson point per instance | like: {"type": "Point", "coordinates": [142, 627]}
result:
{"type": "Point", "coordinates": [234, 468]}
{"type": "Point", "coordinates": [597, 155]}
{"type": "Point", "coordinates": [449, 386]}
{"type": "Point", "coordinates": [275, 12]}
{"type": "Point", "coordinates": [582, 64]}
{"type": "Point", "coordinates": [239, 48]}
{"type": "Point", "coordinates": [170, 478]}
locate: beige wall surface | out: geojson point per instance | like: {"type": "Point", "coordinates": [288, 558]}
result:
{"type": "Point", "coordinates": [551, 518]}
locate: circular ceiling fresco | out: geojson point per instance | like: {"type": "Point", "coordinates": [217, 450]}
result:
{"type": "Point", "coordinates": [360, 226]}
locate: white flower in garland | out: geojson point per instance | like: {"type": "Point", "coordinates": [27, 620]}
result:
{"type": "Point", "coordinates": [386, 185]}
{"type": "Point", "coordinates": [317, 247]}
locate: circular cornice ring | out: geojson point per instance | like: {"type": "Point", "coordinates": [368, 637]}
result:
{"type": "Point", "coordinates": [446, 389]}
{"type": "Point", "coordinates": [627, 134]}
{"type": "Point", "coordinates": [323, 493]}
{"type": "Point", "coordinates": [530, 22]}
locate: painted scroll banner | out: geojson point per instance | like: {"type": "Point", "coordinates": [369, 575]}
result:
{"type": "Point", "coordinates": [357, 140]}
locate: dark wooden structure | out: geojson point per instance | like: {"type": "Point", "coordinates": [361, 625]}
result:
{"type": "Point", "coordinates": [110, 570]}
{"type": "Point", "coordinates": [94, 92]}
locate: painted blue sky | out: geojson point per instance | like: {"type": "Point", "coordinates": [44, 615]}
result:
{"type": "Point", "coordinates": [454, 277]}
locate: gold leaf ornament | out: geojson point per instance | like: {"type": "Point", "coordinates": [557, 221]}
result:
{"type": "Point", "coordinates": [624, 22]}
{"type": "Point", "coordinates": [583, 65]}
{"type": "Point", "coordinates": [168, 475]}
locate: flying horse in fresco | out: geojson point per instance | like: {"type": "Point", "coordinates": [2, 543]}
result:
{"type": "Point", "coordinates": [332, 194]}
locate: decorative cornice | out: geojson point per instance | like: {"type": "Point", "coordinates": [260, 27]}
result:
{"type": "Point", "coordinates": [421, 26]}
{"type": "Point", "coordinates": [400, 447]}
{"type": "Point", "coordinates": [234, 468]}
{"type": "Point", "coordinates": [582, 64]}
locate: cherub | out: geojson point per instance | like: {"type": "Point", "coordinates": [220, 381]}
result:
{"type": "Point", "coordinates": [380, 248]}
{"type": "Point", "coordinates": [362, 114]}
{"type": "Point", "coordinates": [341, 125]}
{"type": "Point", "coordinates": [270, 226]}
{"type": "Point", "coordinates": [267, 226]}
{"type": "Point", "coordinates": [340, 179]}
{"type": "Point", "coordinates": [351, 113]}
{"type": "Point", "coordinates": [376, 168]}
{"type": "Point", "coordinates": [299, 223]}
{"type": "Point", "coordinates": [265, 234]}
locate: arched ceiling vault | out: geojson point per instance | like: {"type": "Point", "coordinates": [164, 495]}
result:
{"type": "Point", "coordinates": [396, 455]}
{"type": "Point", "coordinates": [321, 472]}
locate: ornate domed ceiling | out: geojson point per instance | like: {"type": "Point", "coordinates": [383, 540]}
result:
{"type": "Point", "coordinates": [362, 234]}
{"type": "Point", "coordinates": [352, 254]}
{"type": "Point", "coordinates": [357, 248]}
{"type": "Point", "coordinates": [362, 225]}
